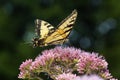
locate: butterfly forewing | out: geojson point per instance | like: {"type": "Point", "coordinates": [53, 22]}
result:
{"type": "Point", "coordinates": [63, 30]}
{"type": "Point", "coordinates": [69, 21]}
{"type": "Point", "coordinates": [43, 28]}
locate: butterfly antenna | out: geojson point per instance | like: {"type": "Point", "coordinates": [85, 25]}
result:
{"type": "Point", "coordinates": [28, 43]}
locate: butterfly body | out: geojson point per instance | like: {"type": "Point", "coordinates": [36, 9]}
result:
{"type": "Point", "coordinates": [48, 35]}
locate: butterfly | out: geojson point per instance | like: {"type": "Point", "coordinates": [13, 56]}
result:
{"type": "Point", "coordinates": [48, 35]}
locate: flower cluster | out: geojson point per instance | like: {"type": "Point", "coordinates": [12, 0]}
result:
{"type": "Point", "coordinates": [89, 62]}
{"type": "Point", "coordinates": [25, 69]}
{"type": "Point", "coordinates": [66, 63]}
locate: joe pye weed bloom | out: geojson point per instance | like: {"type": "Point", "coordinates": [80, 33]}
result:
{"type": "Point", "coordinates": [66, 63]}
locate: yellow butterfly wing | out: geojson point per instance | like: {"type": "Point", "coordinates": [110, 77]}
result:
{"type": "Point", "coordinates": [43, 28]}
{"type": "Point", "coordinates": [60, 35]}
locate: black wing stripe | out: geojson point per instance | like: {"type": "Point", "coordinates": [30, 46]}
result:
{"type": "Point", "coordinates": [67, 31]}
{"type": "Point", "coordinates": [49, 26]}
{"type": "Point", "coordinates": [46, 24]}
{"type": "Point", "coordinates": [72, 20]}
{"type": "Point", "coordinates": [70, 25]}
{"type": "Point", "coordinates": [38, 24]}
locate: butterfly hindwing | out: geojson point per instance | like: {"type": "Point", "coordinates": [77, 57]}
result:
{"type": "Point", "coordinates": [60, 35]}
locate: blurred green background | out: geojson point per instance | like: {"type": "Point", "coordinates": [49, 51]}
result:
{"type": "Point", "coordinates": [97, 29]}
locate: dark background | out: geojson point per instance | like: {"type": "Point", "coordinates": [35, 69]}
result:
{"type": "Point", "coordinates": [97, 29]}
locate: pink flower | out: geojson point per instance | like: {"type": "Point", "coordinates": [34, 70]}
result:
{"type": "Point", "coordinates": [64, 76]}
{"type": "Point", "coordinates": [42, 60]}
{"type": "Point", "coordinates": [65, 53]}
{"type": "Point", "coordinates": [89, 77]}
{"type": "Point", "coordinates": [91, 62]}
{"type": "Point", "coordinates": [113, 79]}
{"type": "Point", "coordinates": [106, 74]}
{"type": "Point", "coordinates": [25, 69]}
